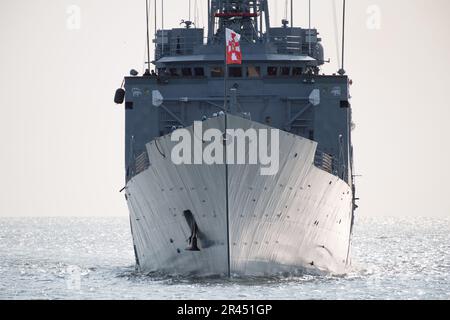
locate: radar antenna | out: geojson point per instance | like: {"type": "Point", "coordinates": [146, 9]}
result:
{"type": "Point", "coordinates": [187, 23]}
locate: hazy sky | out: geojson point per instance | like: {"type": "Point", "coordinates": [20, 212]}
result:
{"type": "Point", "coordinates": [62, 137]}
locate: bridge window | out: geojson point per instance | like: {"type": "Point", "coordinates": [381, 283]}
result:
{"type": "Point", "coordinates": [186, 72]}
{"type": "Point", "coordinates": [272, 71]}
{"type": "Point", "coordinates": [285, 71]}
{"type": "Point", "coordinates": [297, 71]}
{"type": "Point", "coordinates": [174, 72]}
{"type": "Point", "coordinates": [253, 72]}
{"type": "Point", "coordinates": [217, 72]}
{"type": "Point", "coordinates": [235, 72]}
{"type": "Point", "coordinates": [199, 72]}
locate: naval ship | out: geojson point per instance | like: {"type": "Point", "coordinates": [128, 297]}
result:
{"type": "Point", "coordinates": [228, 219]}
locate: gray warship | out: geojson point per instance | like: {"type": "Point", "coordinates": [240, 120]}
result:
{"type": "Point", "coordinates": [228, 219]}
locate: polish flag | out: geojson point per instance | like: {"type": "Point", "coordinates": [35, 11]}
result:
{"type": "Point", "coordinates": [234, 54]}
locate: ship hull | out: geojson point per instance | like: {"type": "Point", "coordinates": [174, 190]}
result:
{"type": "Point", "coordinates": [247, 224]}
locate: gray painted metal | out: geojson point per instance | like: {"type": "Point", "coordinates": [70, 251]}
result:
{"type": "Point", "coordinates": [298, 219]}
{"type": "Point", "coordinates": [157, 199]}
{"type": "Point", "coordinates": [277, 100]}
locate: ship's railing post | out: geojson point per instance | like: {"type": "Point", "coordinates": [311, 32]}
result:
{"type": "Point", "coordinates": [233, 101]}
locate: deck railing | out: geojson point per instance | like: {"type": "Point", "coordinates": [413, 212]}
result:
{"type": "Point", "coordinates": [326, 162]}
{"type": "Point", "coordinates": [141, 163]}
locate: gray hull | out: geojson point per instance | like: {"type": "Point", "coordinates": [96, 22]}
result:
{"type": "Point", "coordinates": [248, 224]}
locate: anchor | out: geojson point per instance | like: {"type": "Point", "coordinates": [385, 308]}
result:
{"type": "Point", "coordinates": [193, 239]}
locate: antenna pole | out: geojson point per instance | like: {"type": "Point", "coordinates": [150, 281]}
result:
{"type": "Point", "coordinates": [343, 36]}
{"type": "Point", "coordinates": [162, 27]}
{"type": "Point", "coordinates": [148, 36]}
{"type": "Point", "coordinates": [225, 75]}
{"type": "Point", "coordinates": [309, 31]}
{"type": "Point", "coordinates": [156, 25]}
{"type": "Point", "coordinates": [260, 23]}
{"type": "Point", "coordinates": [267, 20]}
{"type": "Point", "coordinates": [162, 14]}
{"type": "Point", "coordinates": [211, 21]}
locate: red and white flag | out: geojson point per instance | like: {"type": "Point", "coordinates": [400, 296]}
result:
{"type": "Point", "coordinates": [234, 54]}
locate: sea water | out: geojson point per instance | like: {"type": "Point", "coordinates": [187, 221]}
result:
{"type": "Point", "coordinates": [92, 258]}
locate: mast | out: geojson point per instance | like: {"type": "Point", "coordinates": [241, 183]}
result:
{"type": "Point", "coordinates": [162, 26]}
{"type": "Point", "coordinates": [342, 71]}
{"type": "Point", "coordinates": [147, 71]}
{"type": "Point", "coordinates": [265, 5]}
{"type": "Point", "coordinates": [309, 27]}
{"type": "Point", "coordinates": [156, 25]}
{"type": "Point", "coordinates": [211, 22]}
{"type": "Point", "coordinates": [243, 16]}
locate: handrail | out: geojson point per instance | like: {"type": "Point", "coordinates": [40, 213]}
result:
{"type": "Point", "coordinates": [331, 164]}
{"type": "Point", "coordinates": [141, 163]}
{"type": "Point", "coordinates": [326, 162]}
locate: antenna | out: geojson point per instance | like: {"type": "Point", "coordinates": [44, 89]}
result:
{"type": "Point", "coordinates": [148, 36]}
{"type": "Point", "coordinates": [162, 14]}
{"type": "Point", "coordinates": [286, 10]}
{"type": "Point", "coordinates": [210, 26]}
{"type": "Point", "coordinates": [156, 25]}
{"type": "Point", "coordinates": [309, 31]}
{"type": "Point", "coordinates": [162, 27]}
{"type": "Point", "coordinates": [342, 71]}
{"type": "Point", "coordinates": [336, 36]}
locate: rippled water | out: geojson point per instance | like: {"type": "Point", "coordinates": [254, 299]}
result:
{"type": "Point", "coordinates": [92, 258]}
